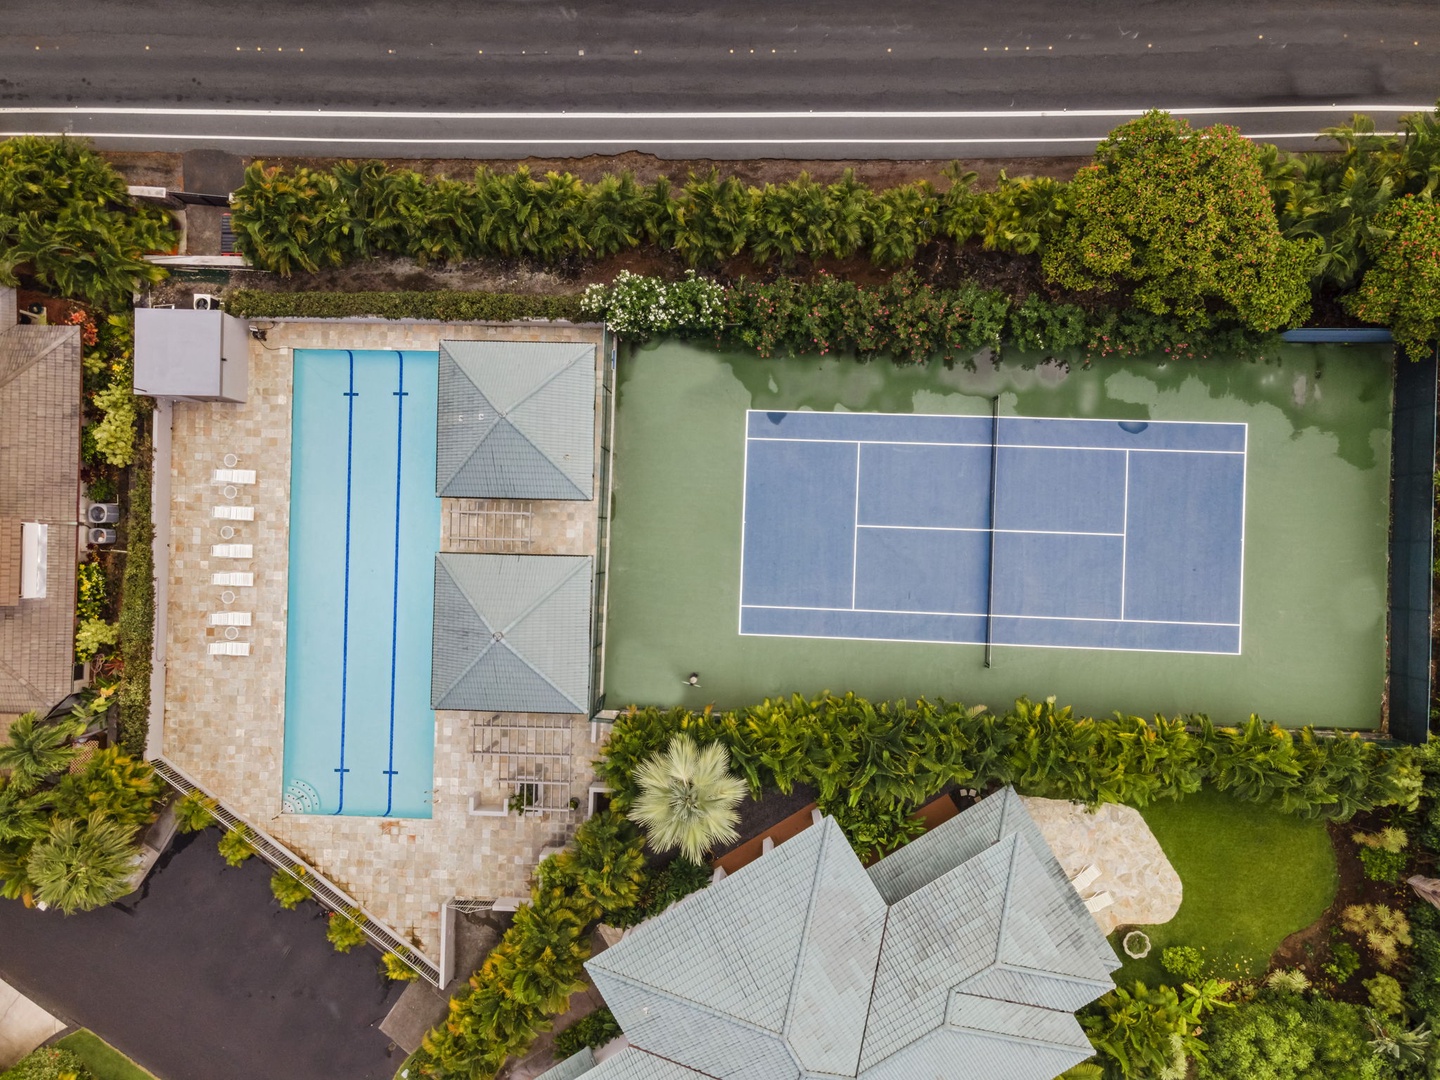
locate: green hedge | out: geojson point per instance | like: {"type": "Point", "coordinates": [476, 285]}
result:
{"type": "Point", "coordinates": [137, 611]}
{"type": "Point", "coordinates": [895, 755]}
{"type": "Point", "coordinates": [444, 306]}
{"type": "Point", "coordinates": [592, 1030]}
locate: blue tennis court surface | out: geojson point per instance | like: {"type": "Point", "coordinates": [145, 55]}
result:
{"type": "Point", "coordinates": [1061, 533]}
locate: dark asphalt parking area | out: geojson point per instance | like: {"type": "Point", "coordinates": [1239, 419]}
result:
{"type": "Point", "coordinates": [201, 976]}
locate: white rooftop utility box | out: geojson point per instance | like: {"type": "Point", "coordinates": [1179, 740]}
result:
{"type": "Point", "coordinates": [202, 355]}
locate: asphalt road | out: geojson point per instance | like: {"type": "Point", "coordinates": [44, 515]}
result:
{"type": "Point", "coordinates": [869, 61]}
{"type": "Point", "coordinates": [203, 977]}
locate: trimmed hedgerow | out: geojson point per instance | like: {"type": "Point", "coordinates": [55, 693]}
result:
{"type": "Point", "coordinates": [137, 611]}
{"type": "Point", "coordinates": [443, 306]}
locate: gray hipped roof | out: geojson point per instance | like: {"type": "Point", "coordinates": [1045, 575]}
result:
{"type": "Point", "coordinates": [512, 633]}
{"type": "Point", "coordinates": [516, 420]}
{"type": "Point", "coordinates": [966, 958]}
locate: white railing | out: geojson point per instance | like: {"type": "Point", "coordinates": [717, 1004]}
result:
{"type": "Point", "coordinates": [325, 891]}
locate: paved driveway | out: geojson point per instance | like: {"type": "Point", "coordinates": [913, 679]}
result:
{"type": "Point", "coordinates": [202, 977]}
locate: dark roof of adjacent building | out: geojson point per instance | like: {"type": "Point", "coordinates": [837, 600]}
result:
{"type": "Point", "coordinates": [966, 957]}
{"type": "Point", "coordinates": [40, 482]}
{"type": "Point", "coordinates": [516, 420]}
{"type": "Point", "coordinates": [512, 633]}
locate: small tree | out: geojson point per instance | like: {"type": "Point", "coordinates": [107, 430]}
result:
{"type": "Point", "coordinates": [194, 812]}
{"type": "Point", "coordinates": [1401, 289]}
{"type": "Point", "coordinates": [688, 797]}
{"type": "Point", "coordinates": [397, 967]}
{"type": "Point", "coordinates": [81, 865]}
{"type": "Point", "coordinates": [1185, 220]}
{"type": "Point", "coordinates": [289, 887]}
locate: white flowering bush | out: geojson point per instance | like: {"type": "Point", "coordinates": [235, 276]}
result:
{"type": "Point", "coordinates": [636, 306]}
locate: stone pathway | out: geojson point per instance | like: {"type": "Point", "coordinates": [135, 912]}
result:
{"type": "Point", "coordinates": [1115, 839]}
{"type": "Point", "coordinates": [23, 1025]}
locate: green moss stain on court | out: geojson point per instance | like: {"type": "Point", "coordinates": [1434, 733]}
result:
{"type": "Point", "coordinates": [1315, 545]}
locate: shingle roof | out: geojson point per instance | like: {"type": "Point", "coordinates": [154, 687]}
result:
{"type": "Point", "coordinates": [796, 967]}
{"type": "Point", "coordinates": [512, 632]}
{"type": "Point", "coordinates": [40, 481]}
{"type": "Point", "coordinates": [632, 1064]}
{"type": "Point", "coordinates": [516, 420]}
{"type": "Point", "coordinates": [577, 1064]}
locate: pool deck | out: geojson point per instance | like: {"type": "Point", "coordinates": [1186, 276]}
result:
{"type": "Point", "coordinates": [223, 717]}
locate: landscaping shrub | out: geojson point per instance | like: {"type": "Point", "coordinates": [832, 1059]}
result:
{"type": "Point", "coordinates": [1383, 930]}
{"type": "Point", "coordinates": [1288, 981]}
{"type": "Point", "coordinates": [1143, 1032]}
{"type": "Point", "coordinates": [1423, 978]}
{"type": "Point", "coordinates": [1286, 1037]}
{"type": "Point", "coordinates": [1401, 289]}
{"type": "Point", "coordinates": [659, 888]}
{"type": "Point", "coordinates": [1183, 220]}
{"type": "Point", "coordinates": [874, 830]}
{"type": "Point", "coordinates": [442, 306]}
{"type": "Point", "coordinates": [137, 612]}
{"type": "Point", "coordinates": [66, 217]}
{"type": "Point", "coordinates": [235, 846]}
{"type": "Point", "coordinates": [90, 591]}
{"type": "Point", "coordinates": [94, 635]}
{"type": "Point", "coordinates": [1183, 961]}
{"type": "Point", "coordinates": [1385, 995]}
{"type": "Point", "coordinates": [594, 1029]}
{"type": "Point", "coordinates": [398, 967]}
{"type": "Point", "coordinates": [1344, 961]}
{"type": "Point", "coordinates": [289, 888]}
{"type": "Point", "coordinates": [194, 812]}
{"type": "Point", "coordinates": [48, 1063]}
{"type": "Point", "coordinates": [345, 929]}
{"type": "Point", "coordinates": [1383, 854]}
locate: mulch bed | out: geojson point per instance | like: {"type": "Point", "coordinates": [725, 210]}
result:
{"type": "Point", "coordinates": [1309, 948]}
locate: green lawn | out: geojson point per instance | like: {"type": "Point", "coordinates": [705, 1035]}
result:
{"type": "Point", "coordinates": [1251, 877]}
{"type": "Point", "coordinates": [102, 1059]}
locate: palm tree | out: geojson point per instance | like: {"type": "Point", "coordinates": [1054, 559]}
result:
{"type": "Point", "coordinates": [78, 865]}
{"type": "Point", "coordinates": [688, 797]}
{"type": "Point", "coordinates": [36, 751]}
{"type": "Point", "coordinates": [21, 819]}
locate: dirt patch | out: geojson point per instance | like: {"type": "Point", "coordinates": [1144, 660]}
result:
{"type": "Point", "coordinates": [1310, 948]}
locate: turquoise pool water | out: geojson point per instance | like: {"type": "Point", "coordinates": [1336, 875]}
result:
{"type": "Point", "coordinates": [364, 529]}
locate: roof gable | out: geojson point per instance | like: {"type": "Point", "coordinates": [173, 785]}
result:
{"type": "Point", "coordinates": [516, 420]}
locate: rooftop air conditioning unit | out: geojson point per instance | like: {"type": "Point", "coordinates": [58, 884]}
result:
{"type": "Point", "coordinates": [102, 513]}
{"type": "Point", "coordinates": [206, 302]}
{"type": "Point", "coordinates": [102, 536]}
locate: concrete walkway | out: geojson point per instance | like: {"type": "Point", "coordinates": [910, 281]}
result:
{"type": "Point", "coordinates": [23, 1025]}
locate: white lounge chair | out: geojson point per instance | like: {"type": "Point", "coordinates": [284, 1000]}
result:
{"type": "Point", "coordinates": [233, 476]}
{"type": "Point", "coordinates": [233, 513]}
{"type": "Point", "coordinates": [230, 648]}
{"type": "Point", "coordinates": [230, 618]}
{"type": "Point", "coordinates": [1086, 878]}
{"type": "Point", "coordinates": [232, 551]}
{"type": "Point", "coordinates": [1099, 902]}
{"type": "Point", "coordinates": [243, 579]}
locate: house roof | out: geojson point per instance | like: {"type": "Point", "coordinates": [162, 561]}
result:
{"type": "Point", "coordinates": [39, 481]}
{"type": "Point", "coordinates": [512, 632]}
{"type": "Point", "coordinates": [799, 965]}
{"type": "Point", "coordinates": [516, 420]}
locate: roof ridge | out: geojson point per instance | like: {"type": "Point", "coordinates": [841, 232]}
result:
{"type": "Point", "coordinates": [825, 838]}
{"type": "Point", "coordinates": [440, 562]}
{"type": "Point", "coordinates": [503, 418]}
{"type": "Point", "coordinates": [52, 342]}
{"type": "Point", "coordinates": [580, 561]}
{"type": "Point", "coordinates": [1015, 840]}
{"type": "Point", "coordinates": [631, 980]}
{"type": "Point", "coordinates": [1023, 1040]}
{"type": "Point", "coordinates": [534, 670]}
{"type": "Point", "coordinates": [542, 384]}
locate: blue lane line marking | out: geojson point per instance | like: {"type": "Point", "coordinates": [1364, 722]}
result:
{"type": "Point", "coordinates": [400, 396]}
{"type": "Point", "coordinates": [350, 397]}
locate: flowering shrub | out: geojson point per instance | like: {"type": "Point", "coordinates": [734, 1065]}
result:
{"type": "Point", "coordinates": [1402, 289]}
{"type": "Point", "coordinates": [1184, 221]}
{"type": "Point", "coordinates": [93, 635]}
{"type": "Point", "coordinates": [90, 586]}
{"type": "Point", "coordinates": [636, 306]}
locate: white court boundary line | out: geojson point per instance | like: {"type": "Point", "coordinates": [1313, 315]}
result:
{"type": "Point", "coordinates": [1243, 453]}
{"type": "Point", "coordinates": [1004, 446]}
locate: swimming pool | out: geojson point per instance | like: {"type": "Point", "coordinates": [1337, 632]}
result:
{"type": "Point", "coordinates": [364, 529]}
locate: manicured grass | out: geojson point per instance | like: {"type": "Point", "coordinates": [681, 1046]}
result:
{"type": "Point", "coordinates": [102, 1059]}
{"type": "Point", "coordinates": [1251, 877]}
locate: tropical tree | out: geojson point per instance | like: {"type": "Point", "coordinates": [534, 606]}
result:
{"type": "Point", "coordinates": [113, 784]}
{"type": "Point", "coordinates": [1402, 289]}
{"type": "Point", "coordinates": [687, 798]}
{"type": "Point", "coordinates": [195, 812]}
{"type": "Point", "coordinates": [36, 750]}
{"type": "Point", "coordinates": [605, 863]}
{"type": "Point", "coordinates": [289, 887]}
{"type": "Point", "coordinates": [712, 219]}
{"type": "Point", "coordinates": [82, 864]}
{"type": "Point", "coordinates": [67, 217]}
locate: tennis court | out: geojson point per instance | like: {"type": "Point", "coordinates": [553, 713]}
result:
{"type": "Point", "coordinates": [1058, 533]}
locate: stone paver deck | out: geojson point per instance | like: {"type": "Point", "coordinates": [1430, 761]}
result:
{"type": "Point", "coordinates": [23, 1025]}
{"type": "Point", "coordinates": [1116, 840]}
{"type": "Point", "coordinates": [224, 718]}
